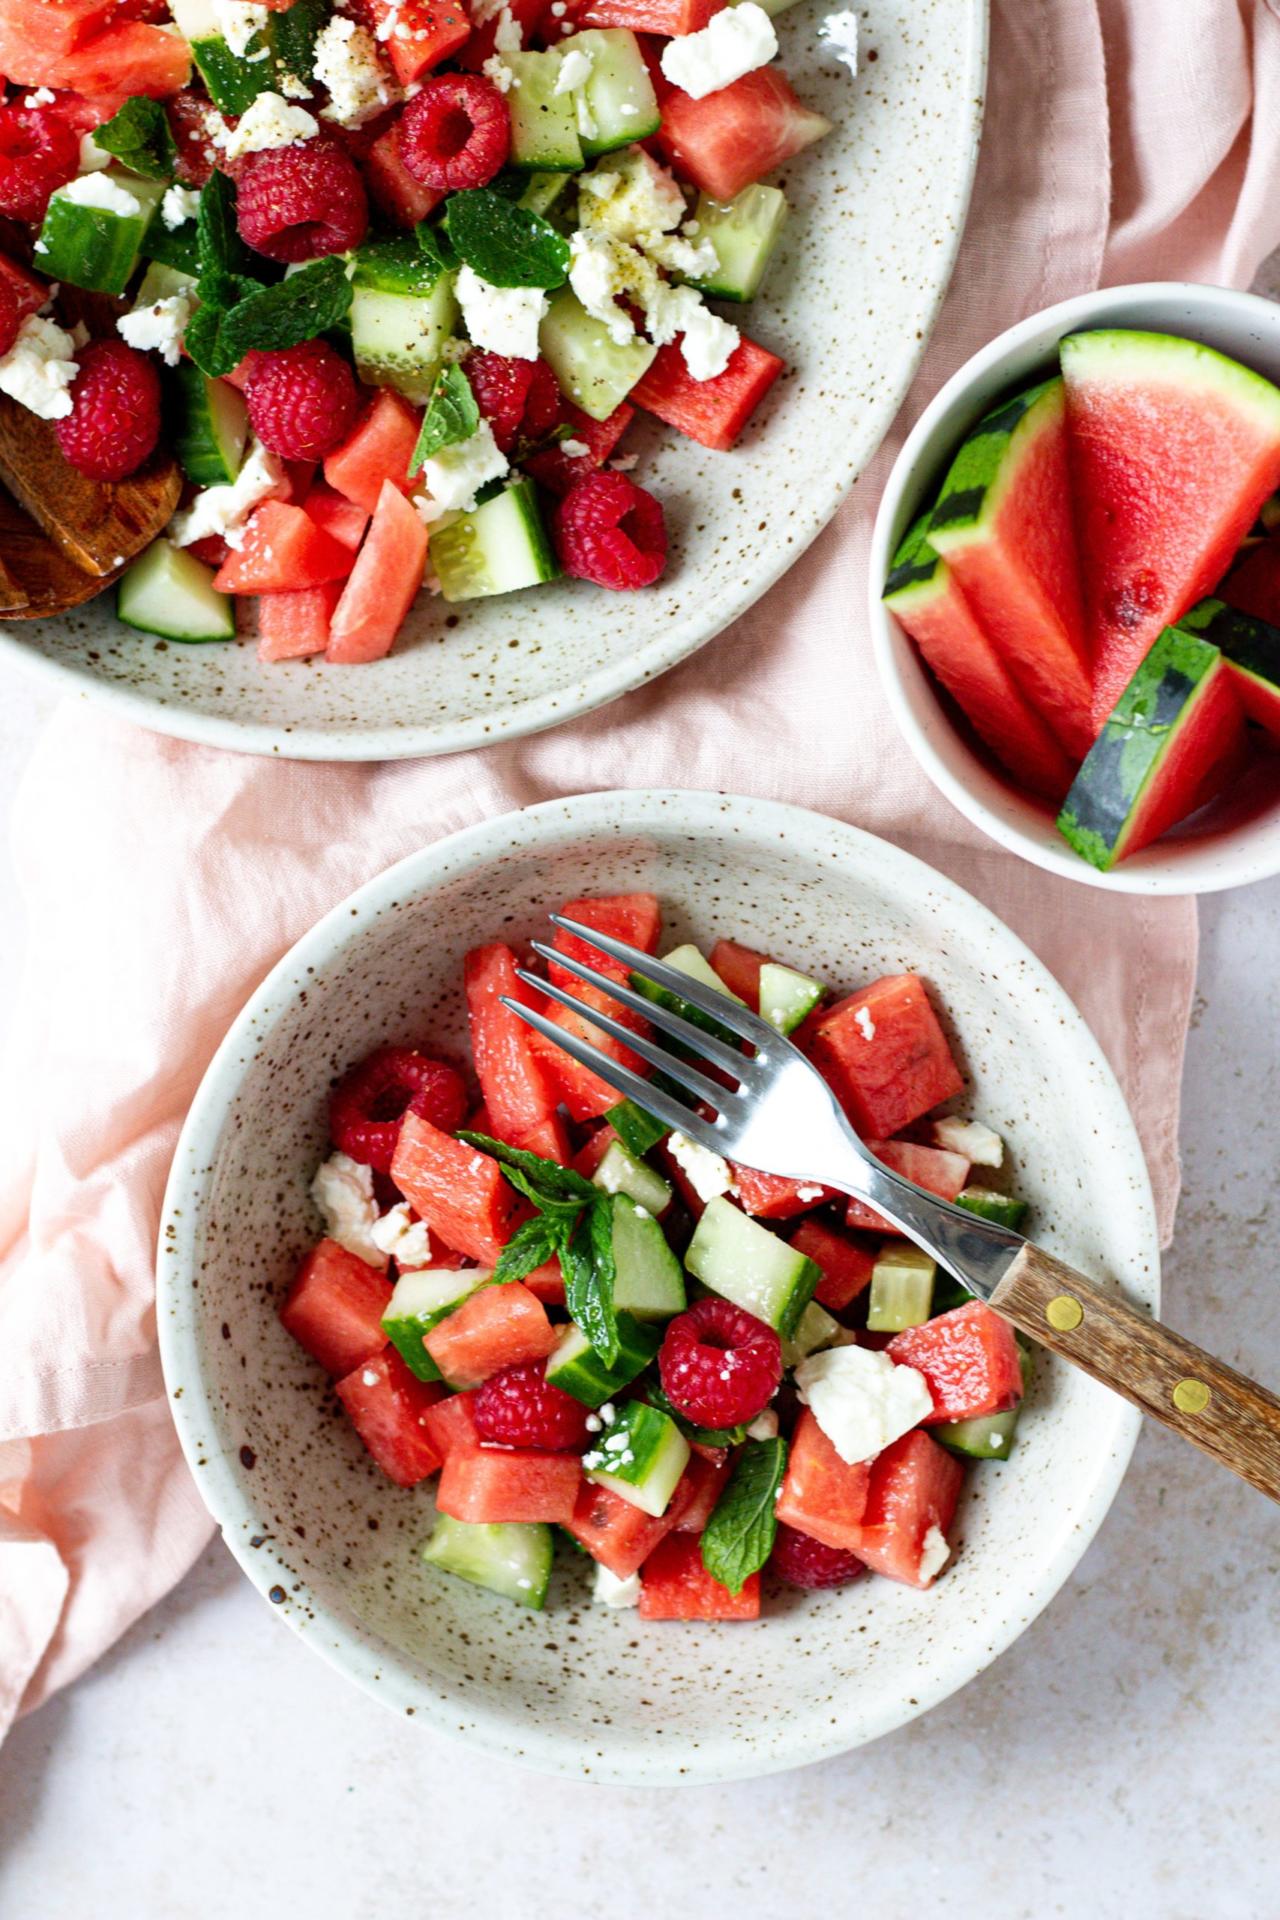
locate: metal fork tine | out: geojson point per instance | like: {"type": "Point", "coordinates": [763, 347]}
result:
{"type": "Point", "coordinates": [681, 1071]}
{"type": "Point", "coordinates": [632, 1086]}
{"type": "Point", "coordinates": [697, 1039]}
{"type": "Point", "coordinates": [730, 1013]}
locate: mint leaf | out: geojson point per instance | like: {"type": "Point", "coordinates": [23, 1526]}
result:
{"type": "Point", "coordinates": [217, 237]}
{"type": "Point", "coordinates": [452, 415]}
{"type": "Point", "coordinates": [434, 243]}
{"type": "Point", "coordinates": [532, 1243]}
{"type": "Point", "coordinates": [559, 1183]}
{"type": "Point", "coordinates": [505, 244]}
{"type": "Point", "coordinates": [140, 138]}
{"type": "Point", "coordinates": [206, 342]}
{"type": "Point", "coordinates": [704, 1436]}
{"type": "Point", "coordinates": [738, 1538]}
{"type": "Point", "coordinates": [310, 302]}
{"type": "Point", "coordinates": [586, 1260]}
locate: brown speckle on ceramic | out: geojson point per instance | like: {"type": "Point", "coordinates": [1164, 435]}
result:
{"type": "Point", "coordinates": [334, 1545]}
{"type": "Point", "coordinates": [877, 210]}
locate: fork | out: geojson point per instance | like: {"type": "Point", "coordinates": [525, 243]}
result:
{"type": "Point", "coordinates": [770, 1109]}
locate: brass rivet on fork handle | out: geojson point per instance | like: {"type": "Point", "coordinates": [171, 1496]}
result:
{"type": "Point", "coordinates": [1191, 1396]}
{"type": "Point", "coordinates": [1064, 1312]}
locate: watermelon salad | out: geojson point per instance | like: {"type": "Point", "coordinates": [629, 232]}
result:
{"type": "Point", "coordinates": [391, 279]}
{"type": "Point", "coordinates": [584, 1329]}
{"type": "Point", "coordinates": [1097, 584]}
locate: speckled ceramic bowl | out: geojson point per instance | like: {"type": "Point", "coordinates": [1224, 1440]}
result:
{"type": "Point", "coordinates": [877, 211]}
{"type": "Point", "coordinates": [1228, 845]}
{"type": "Point", "coordinates": [334, 1545]}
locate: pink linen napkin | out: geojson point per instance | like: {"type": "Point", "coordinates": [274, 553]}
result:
{"type": "Point", "coordinates": [163, 880]}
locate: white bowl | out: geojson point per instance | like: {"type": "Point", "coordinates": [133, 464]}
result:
{"type": "Point", "coordinates": [877, 211]}
{"type": "Point", "coordinates": [318, 1528]}
{"type": "Point", "coordinates": [1227, 846]}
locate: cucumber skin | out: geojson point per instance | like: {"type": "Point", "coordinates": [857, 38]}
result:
{"type": "Point", "coordinates": [233, 83]}
{"type": "Point", "coordinates": [136, 581]}
{"type": "Point", "coordinates": [97, 250]}
{"type": "Point", "coordinates": [462, 1548]}
{"type": "Point", "coordinates": [1003, 1208]}
{"type": "Point", "coordinates": [638, 1130]}
{"type": "Point", "coordinates": [587, 1378]}
{"type": "Point", "coordinates": [194, 441]}
{"type": "Point", "coordinates": [457, 571]}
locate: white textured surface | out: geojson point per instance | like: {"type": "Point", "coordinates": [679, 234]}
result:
{"type": "Point", "coordinates": [1119, 1760]}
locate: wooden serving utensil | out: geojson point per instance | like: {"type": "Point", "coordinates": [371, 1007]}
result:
{"type": "Point", "coordinates": [36, 578]}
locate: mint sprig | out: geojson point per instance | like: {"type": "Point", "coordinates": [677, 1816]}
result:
{"type": "Point", "coordinates": [140, 137]}
{"type": "Point", "coordinates": [218, 239]}
{"type": "Point", "coordinates": [451, 416]}
{"type": "Point", "coordinates": [507, 245]}
{"type": "Point", "coordinates": [576, 1222]}
{"type": "Point", "coordinates": [310, 302]}
{"type": "Point", "coordinates": [739, 1536]}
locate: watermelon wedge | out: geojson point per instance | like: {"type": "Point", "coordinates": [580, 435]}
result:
{"type": "Point", "coordinates": [1175, 735]}
{"type": "Point", "coordinates": [923, 595]}
{"type": "Point", "coordinates": [459, 1191]}
{"type": "Point", "coordinates": [822, 1495]}
{"type": "Point", "coordinates": [846, 1263]}
{"type": "Point", "coordinates": [713, 412]}
{"type": "Point", "coordinates": [385, 1404]}
{"type": "Point", "coordinates": [733, 137]}
{"type": "Point", "coordinates": [1253, 585]}
{"type": "Point", "coordinates": [1003, 524]}
{"type": "Point", "coordinates": [383, 582]}
{"type": "Point", "coordinates": [911, 1502]}
{"type": "Point", "coordinates": [674, 1585]}
{"type": "Point", "coordinates": [934, 1168]}
{"type": "Point", "coordinates": [883, 1052]}
{"type": "Point", "coordinates": [1173, 450]}
{"type": "Point", "coordinates": [667, 17]}
{"type": "Point", "coordinates": [379, 446]}
{"type": "Point", "coordinates": [392, 187]}
{"type": "Point", "coordinates": [1251, 649]}
{"type": "Point", "coordinates": [283, 552]}
{"type": "Point", "coordinates": [518, 1089]}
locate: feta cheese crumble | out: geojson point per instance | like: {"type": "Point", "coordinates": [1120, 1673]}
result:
{"type": "Point", "coordinates": [455, 475]}
{"type": "Point", "coordinates": [93, 158]}
{"type": "Point", "coordinates": [503, 319]}
{"type": "Point", "coordinates": [240, 22]}
{"type": "Point", "coordinates": [225, 510]}
{"type": "Point", "coordinates": [348, 63]}
{"type": "Point", "coordinates": [708, 342]}
{"type": "Point", "coordinates": [708, 1173]}
{"type": "Point", "coordinates": [577, 450]}
{"type": "Point", "coordinates": [764, 1426]}
{"type": "Point", "coordinates": [735, 41]}
{"type": "Point", "coordinates": [42, 97]}
{"type": "Point", "coordinates": [408, 1241]}
{"type": "Point", "coordinates": [95, 190]}
{"type": "Point", "coordinates": [39, 368]}
{"type": "Point", "coordinates": [839, 33]}
{"type": "Point", "coordinates": [864, 1023]}
{"type": "Point", "coordinates": [343, 1192]}
{"type": "Point", "coordinates": [610, 1591]}
{"type": "Point", "coordinates": [269, 122]}
{"type": "Point", "coordinates": [179, 205]}
{"type": "Point", "coordinates": [600, 270]}
{"type": "Point", "coordinates": [977, 1142]}
{"type": "Point", "coordinates": [862, 1400]}
{"type": "Point", "coordinates": [159, 327]}
{"type": "Point", "coordinates": [934, 1553]}
{"type": "Point", "coordinates": [575, 70]}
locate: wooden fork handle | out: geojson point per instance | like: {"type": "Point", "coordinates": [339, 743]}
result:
{"type": "Point", "coordinates": [1227, 1416]}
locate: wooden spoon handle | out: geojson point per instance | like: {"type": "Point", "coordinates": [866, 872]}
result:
{"type": "Point", "coordinates": [1227, 1416]}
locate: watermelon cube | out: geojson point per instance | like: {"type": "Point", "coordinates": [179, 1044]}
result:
{"type": "Point", "coordinates": [666, 17]}
{"type": "Point", "coordinates": [700, 1487]}
{"type": "Point", "coordinates": [674, 1585]}
{"type": "Point", "coordinates": [633, 917]}
{"type": "Point", "coordinates": [936, 1169]}
{"type": "Point", "coordinates": [733, 137]}
{"type": "Point", "coordinates": [459, 1191]}
{"type": "Point", "coordinates": [391, 186]}
{"type": "Point", "coordinates": [495, 1328]}
{"type": "Point", "coordinates": [549, 1138]}
{"type": "Point", "coordinates": [28, 289]}
{"type": "Point", "coordinates": [387, 1407]}
{"type": "Point", "coordinates": [128, 57]}
{"type": "Point", "coordinates": [491, 1485]}
{"type": "Point", "coordinates": [846, 1262]}
{"type": "Point", "coordinates": [294, 624]}
{"type": "Point", "coordinates": [482, 45]}
{"type": "Point", "coordinates": [713, 412]}
{"type": "Point", "coordinates": [450, 1426]}
{"type": "Point", "coordinates": [420, 33]}
{"type": "Point", "coordinates": [911, 1501]}
{"type": "Point", "coordinates": [518, 1087]}
{"type": "Point", "coordinates": [344, 519]}
{"type": "Point", "coordinates": [616, 1533]}
{"type": "Point", "coordinates": [546, 1283]}
{"type": "Point", "coordinates": [379, 447]}
{"type": "Point", "coordinates": [739, 968]}
{"type": "Point", "coordinates": [384, 582]}
{"type": "Point", "coordinates": [884, 1054]}
{"type": "Point", "coordinates": [769, 1196]}
{"type": "Point", "coordinates": [822, 1495]}
{"type": "Point", "coordinates": [283, 551]}
{"type": "Point", "coordinates": [557, 470]}
{"type": "Point", "coordinates": [969, 1358]}
{"type": "Point", "coordinates": [583, 1092]}
{"type": "Point", "coordinates": [589, 1156]}
{"type": "Point", "coordinates": [335, 1306]}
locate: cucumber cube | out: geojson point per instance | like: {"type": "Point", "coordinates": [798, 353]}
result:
{"type": "Point", "coordinates": [512, 1559]}
{"type": "Point", "coordinates": [616, 102]}
{"type": "Point", "coordinates": [94, 229]}
{"type": "Point", "coordinates": [816, 1329]}
{"type": "Point", "coordinates": [233, 80]}
{"type": "Point", "coordinates": [648, 1282]}
{"type": "Point", "coordinates": [786, 997]}
{"type": "Point", "coordinates": [169, 592]}
{"type": "Point", "coordinates": [1003, 1208]}
{"type": "Point", "coordinates": [593, 371]}
{"type": "Point", "coordinates": [744, 232]}
{"type": "Point", "coordinates": [420, 1301]}
{"type": "Point", "coordinates": [688, 960]}
{"type": "Point", "coordinates": [209, 424]}
{"type": "Point", "coordinates": [161, 282]}
{"type": "Point", "coordinates": [639, 1131]}
{"type": "Point", "coordinates": [621, 1172]}
{"type": "Point", "coordinates": [641, 1457]}
{"type": "Point", "coordinates": [742, 1261]}
{"type": "Point", "coordinates": [550, 195]}
{"type": "Point", "coordinates": [403, 310]}
{"type": "Point", "coordinates": [499, 547]}
{"type": "Point", "coordinates": [544, 123]}
{"type": "Point", "coordinates": [576, 1368]}
{"type": "Point", "coordinates": [901, 1289]}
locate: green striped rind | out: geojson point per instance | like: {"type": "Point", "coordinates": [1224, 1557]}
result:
{"type": "Point", "coordinates": [918, 572]}
{"type": "Point", "coordinates": [986, 467]}
{"type": "Point", "coordinates": [1098, 813]}
{"type": "Point", "coordinates": [1133, 360]}
{"type": "Point", "coordinates": [1250, 646]}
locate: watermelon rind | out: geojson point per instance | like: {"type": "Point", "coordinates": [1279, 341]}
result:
{"type": "Point", "coordinates": [915, 567]}
{"type": "Point", "coordinates": [1106, 797]}
{"type": "Point", "coordinates": [1133, 359]}
{"type": "Point", "coordinates": [985, 469]}
{"type": "Point", "coordinates": [1251, 650]}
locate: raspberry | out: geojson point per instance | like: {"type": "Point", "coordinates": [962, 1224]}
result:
{"type": "Point", "coordinates": [519, 1407]}
{"type": "Point", "coordinates": [302, 400]}
{"type": "Point", "coordinates": [501, 388]}
{"type": "Point", "coordinates": [10, 317]}
{"type": "Point", "coordinates": [188, 122]}
{"type": "Point", "coordinates": [456, 132]}
{"type": "Point", "coordinates": [610, 531]}
{"type": "Point", "coordinates": [542, 407]}
{"type": "Point", "coordinates": [114, 421]}
{"type": "Point", "coordinates": [38, 151]}
{"type": "Point", "coordinates": [719, 1364]}
{"type": "Point", "coordinates": [368, 1104]}
{"type": "Point", "coordinates": [296, 203]}
{"type": "Point", "coordinates": [804, 1562]}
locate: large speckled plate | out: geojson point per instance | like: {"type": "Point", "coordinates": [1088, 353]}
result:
{"type": "Point", "coordinates": [334, 1545]}
{"type": "Point", "coordinates": [878, 208]}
